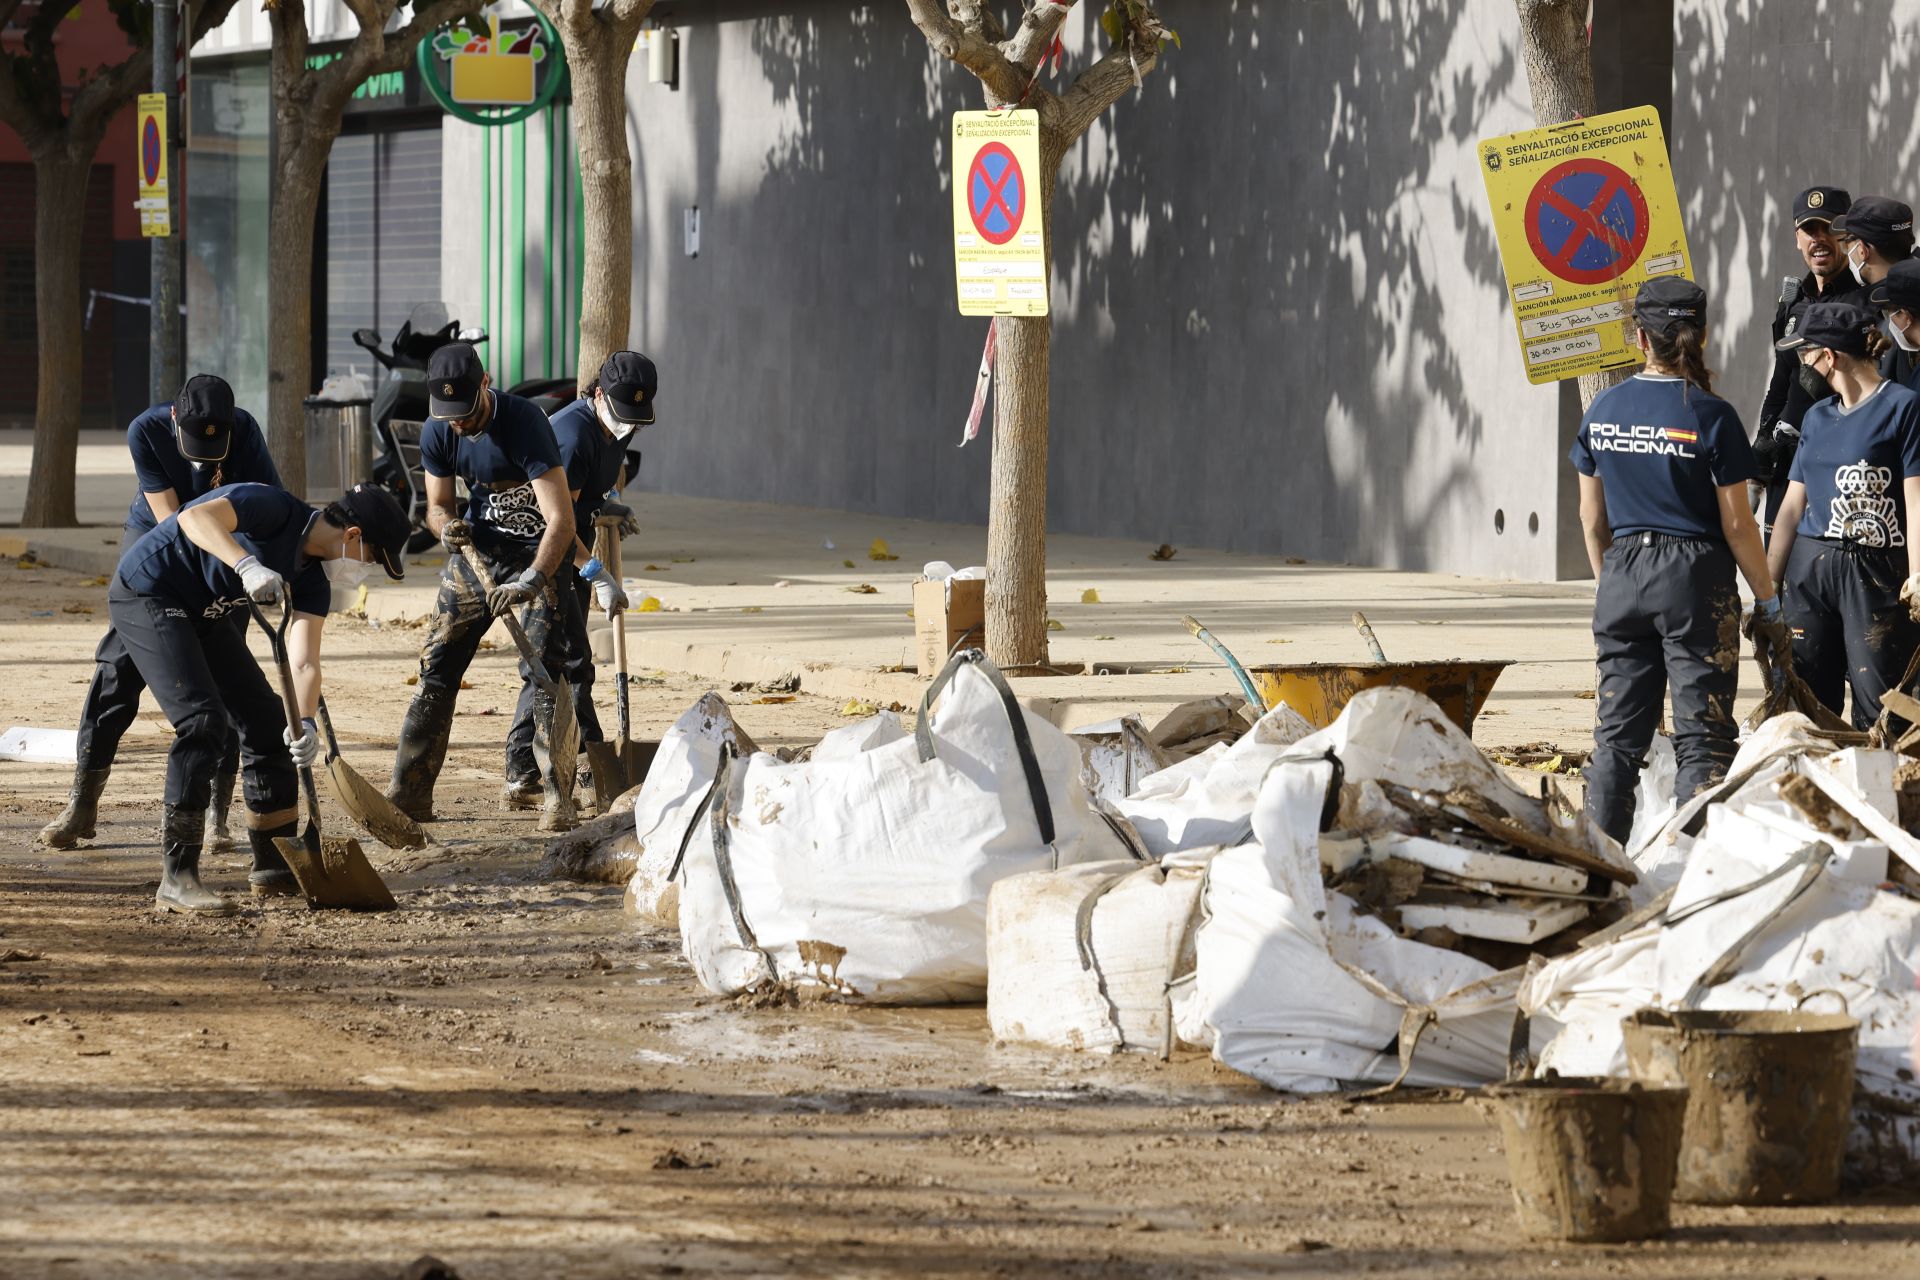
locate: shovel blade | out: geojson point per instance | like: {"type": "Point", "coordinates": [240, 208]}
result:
{"type": "Point", "coordinates": [609, 771]}
{"type": "Point", "coordinates": [372, 810]}
{"type": "Point", "coordinates": [334, 873]}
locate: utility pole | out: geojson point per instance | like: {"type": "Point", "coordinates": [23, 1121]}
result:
{"type": "Point", "coordinates": [164, 362]}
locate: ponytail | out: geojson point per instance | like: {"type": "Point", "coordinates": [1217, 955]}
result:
{"type": "Point", "coordinates": [1682, 349]}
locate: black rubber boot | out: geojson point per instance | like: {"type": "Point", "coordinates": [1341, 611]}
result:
{"type": "Point", "coordinates": [75, 822]}
{"type": "Point", "coordinates": [218, 839]}
{"type": "Point", "coordinates": [271, 877]}
{"type": "Point", "coordinates": [423, 749]}
{"type": "Point", "coordinates": [180, 887]}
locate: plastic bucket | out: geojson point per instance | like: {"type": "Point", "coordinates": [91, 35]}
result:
{"type": "Point", "coordinates": [1772, 1097]}
{"type": "Point", "coordinates": [1320, 691]}
{"type": "Point", "coordinates": [1591, 1159]}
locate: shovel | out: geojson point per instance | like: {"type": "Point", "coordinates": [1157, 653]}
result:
{"type": "Point", "coordinates": [618, 766]}
{"type": "Point", "coordinates": [363, 802]}
{"type": "Point", "coordinates": [334, 872]}
{"type": "Point", "coordinates": [562, 738]}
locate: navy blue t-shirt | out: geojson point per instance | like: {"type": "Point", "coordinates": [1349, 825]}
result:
{"type": "Point", "coordinates": [499, 465]}
{"type": "Point", "coordinates": [1853, 462]}
{"type": "Point", "coordinates": [270, 523]}
{"type": "Point", "coordinates": [1662, 447]}
{"type": "Point", "coordinates": [592, 459]}
{"type": "Point", "coordinates": [157, 463]}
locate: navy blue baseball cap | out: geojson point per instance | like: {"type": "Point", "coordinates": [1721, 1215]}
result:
{"type": "Point", "coordinates": [1836, 326]}
{"type": "Point", "coordinates": [454, 375]}
{"type": "Point", "coordinates": [1820, 204]}
{"type": "Point", "coordinates": [1899, 289]}
{"type": "Point", "coordinates": [630, 381]}
{"type": "Point", "coordinates": [1666, 301]}
{"type": "Point", "coordinates": [1885, 224]}
{"type": "Point", "coordinates": [383, 525]}
{"type": "Point", "coordinates": [203, 418]}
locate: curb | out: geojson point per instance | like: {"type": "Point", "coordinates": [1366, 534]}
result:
{"type": "Point", "coordinates": [59, 554]}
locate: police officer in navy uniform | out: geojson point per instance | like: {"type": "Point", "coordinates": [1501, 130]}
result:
{"type": "Point", "coordinates": [1827, 280]}
{"type": "Point", "coordinates": [1897, 295]}
{"type": "Point", "coordinates": [1847, 544]}
{"type": "Point", "coordinates": [1664, 465]}
{"type": "Point", "coordinates": [518, 519]}
{"type": "Point", "coordinates": [173, 600]}
{"type": "Point", "coordinates": [592, 434]}
{"type": "Point", "coordinates": [181, 451]}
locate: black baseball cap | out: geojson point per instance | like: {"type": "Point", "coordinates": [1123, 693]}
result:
{"type": "Point", "coordinates": [1881, 222]}
{"type": "Point", "coordinates": [203, 418]}
{"type": "Point", "coordinates": [382, 524]}
{"type": "Point", "coordinates": [454, 374]}
{"type": "Point", "coordinates": [1899, 289]}
{"type": "Point", "coordinates": [630, 381]}
{"type": "Point", "coordinates": [1819, 204]}
{"type": "Point", "coordinates": [1666, 301]}
{"type": "Point", "coordinates": [1837, 326]}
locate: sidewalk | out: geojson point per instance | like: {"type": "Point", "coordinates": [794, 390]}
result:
{"type": "Point", "coordinates": [717, 569]}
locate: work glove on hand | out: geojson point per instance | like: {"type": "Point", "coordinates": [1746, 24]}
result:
{"type": "Point", "coordinates": [304, 749]}
{"type": "Point", "coordinates": [259, 582]}
{"type": "Point", "coordinates": [509, 596]}
{"type": "Point", "coordinates": [629, 523]}
{"type": "Point", "coordinates": [456, 534]}
{"type": "Point", "coordinates": [1767, 628]}
{"type": "Point", "coordinates": [607, 592]}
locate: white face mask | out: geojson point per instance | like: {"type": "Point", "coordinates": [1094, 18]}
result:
{"type": "Point", "coordinates": [346, 572]}
{"type": "Point", "coordinates": [621, 430]}
{"type": "Point", "coordinates": [1856, 265]}
{"type": "Point", "coordinates": [1900, 338]}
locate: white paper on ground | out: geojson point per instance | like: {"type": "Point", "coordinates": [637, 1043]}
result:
{"type": "Point", "coordinates": [25, 744]}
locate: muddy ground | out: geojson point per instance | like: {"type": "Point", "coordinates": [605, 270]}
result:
{"type": "Point", "coordinates": [508, 1074]}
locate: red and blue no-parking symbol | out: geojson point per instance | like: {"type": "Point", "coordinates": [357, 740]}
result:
{"type": "Point", "coordinates": [149, 151]}
{"type": "Point", "coordinates": [996, 193]}
{"type": "Point", "coordinates": [1587, 221]}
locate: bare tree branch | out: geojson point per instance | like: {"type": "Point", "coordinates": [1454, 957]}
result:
{"type": "Point", "coordinates": [426, 20]}
{"type": "Point", "coordinates": [1097, 88]}
{"type": "Point", "coordinates": [982, 57]}
{"type": "Point", "coordinates": [1036, 34]}
{"type": "Point", "coordinates": [630, 11]}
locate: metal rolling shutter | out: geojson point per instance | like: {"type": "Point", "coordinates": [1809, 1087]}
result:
{"type": "Point", "coordinates": [383, 237]}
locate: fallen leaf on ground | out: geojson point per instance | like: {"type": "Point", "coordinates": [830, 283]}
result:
{"type": "Point", "coordinates": [1165, 551]}
{"type": "Point", "coordinates": [26, 562]}
{"type": "Point", "coordinates": [1279, 642]}
{"type": "Point", "coordinates": [1587, 695]}
{"type": "Point", "coordinates": [847, 563]}
{"type": "Point", "coordinates": [1103, 637]}
{"type": "Point", "coordinates": [1054, 624]}
{"type": "Point", "coordinates": [100, 581]}
{"type": "Point", "coordinates": [75, 608]}
{"type": "Point", "coordinates": [858, 707]}
{"type": "Point", "coordinates": [1090, 596]}
{"type": "Point", "coordinates": [414, 678]}
{"type": "Point", "coordinates": [648, 604]}
{"type": "Point", "coordinates": [1294, 560]}
{"type": "Point", "coordinates": [1549, 766]}
{"type": "Point", "coordinates": [684, 559]}
{"type": "Point", "coordinates": [864, 589]}
{"type": "Point", "coordinates": [880, 551]}
{"type": "Point", "coordinates": [753, 608]}
{"type": "Point", "coordinates": [466, 684]}
{"type": "Point", "coordinates": [773, 698]}
{"type": "Point", "coordinates": [671, 1159]}
{"type": "Point", "coordinates": [656, 568]}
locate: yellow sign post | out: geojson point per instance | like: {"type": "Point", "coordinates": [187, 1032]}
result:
{"type": "Point", "coordinates": [999, 249]}
{"type": "Point", "coordinates": [150, 140]}
{"type": "Point", "coordinates": [1585, 213]}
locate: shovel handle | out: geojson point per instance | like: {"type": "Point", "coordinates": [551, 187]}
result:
{"type": "Point", "coordinates": [326, 728]}
{"type": "Point", "coordinates": [277, 639]}
{"type": "Point", "coordinates": [610, 535]}
{"type": "Point", "coordinates": [514, 629]}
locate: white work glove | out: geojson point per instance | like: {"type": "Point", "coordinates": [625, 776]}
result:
{"type": "Point", "coordinates": [607, 592]}
{"type": "Point", "coordinates": [1910, 592]}
{"type": "Point", "coordinates": [259, 582]}
{"type": "Point", "coordinates": [304, 749]}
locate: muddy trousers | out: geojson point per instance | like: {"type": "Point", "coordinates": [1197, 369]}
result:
{"type": "Point", "coordinates": [113, 699]}
{"type": "Point", "coordinates": [460, 621]}
{"type": "Point", "coordinates": [178, 654]}
{"type": "Point", "coordinates": [1666, 617]}
{"type": "Point", "coordinates": [569, 654]}
{"type": "Point", "coordinates": [1851, 630]}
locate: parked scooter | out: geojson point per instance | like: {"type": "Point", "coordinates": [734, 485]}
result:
{"type": "Point", "coordinates": [400, 405]}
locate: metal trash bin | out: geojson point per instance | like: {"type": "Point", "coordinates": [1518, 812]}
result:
{"type": "Point", "coordinates": [339, 446]}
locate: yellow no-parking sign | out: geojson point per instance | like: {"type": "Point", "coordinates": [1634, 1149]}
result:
{"type": "Point", "coordinates": [999, 246]}
{"type": "Point", "coordinates": [1585, 213]}
{"type": "Point", "coordinates": [156, 215]}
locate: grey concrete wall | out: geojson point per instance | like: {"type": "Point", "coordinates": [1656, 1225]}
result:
{"type": "Point", "coordinates": [1770, 98]}
{"type": "Point", "coordinates": [1280, 323]}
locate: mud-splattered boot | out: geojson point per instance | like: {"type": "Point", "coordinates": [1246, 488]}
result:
{"type": "Point", "coordinates": [521, 793]}
{"type": "Point", "coordinates": [422, 750]}
{"type": "Point", "coordinates": [218, 839]}
{"type": "Point", "coordinates": [271, 877]}
{"type": "Point", "coordinates": [75, 822]}
{"type": "Point", "coordinates": [180, 887]}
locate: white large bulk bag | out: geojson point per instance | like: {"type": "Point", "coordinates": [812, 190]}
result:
{"type": "Point", "coordinates": [1302, 993]}
{"type": "Point", "coordinates": [1082, 957]}
{"type": "Point", "coordinates": [1208, 799]}
{"type": "Point", "coordinates": [682, 771]}
{"type": "Point", "coordinates": [865, 875]}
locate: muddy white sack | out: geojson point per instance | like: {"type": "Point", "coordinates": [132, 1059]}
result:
{"type": "Point", "coordinates": [865, 875]}
{"type": "Point", "coordinates": [1208, 799]}
{"type": "Point", "coordinates": [682, 771]}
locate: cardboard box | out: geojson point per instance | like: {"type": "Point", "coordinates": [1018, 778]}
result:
{"type": "Point", "coordinates": [944, 614]}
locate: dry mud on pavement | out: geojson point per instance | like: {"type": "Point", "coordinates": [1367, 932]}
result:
{"type": "Point", "coordinates": [506, 1074]}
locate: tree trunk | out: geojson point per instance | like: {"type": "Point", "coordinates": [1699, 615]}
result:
{"type": "Point", "coordinates": [1559, 60]}
{"type": "Point", "coordinates": [59, 217]}
{"type": "Point", "coordinates": [1017, 508]}
{"type": "Point", "coordinates": [606, 193]}
{"type": "Point", "coordinates": [290, 225]}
